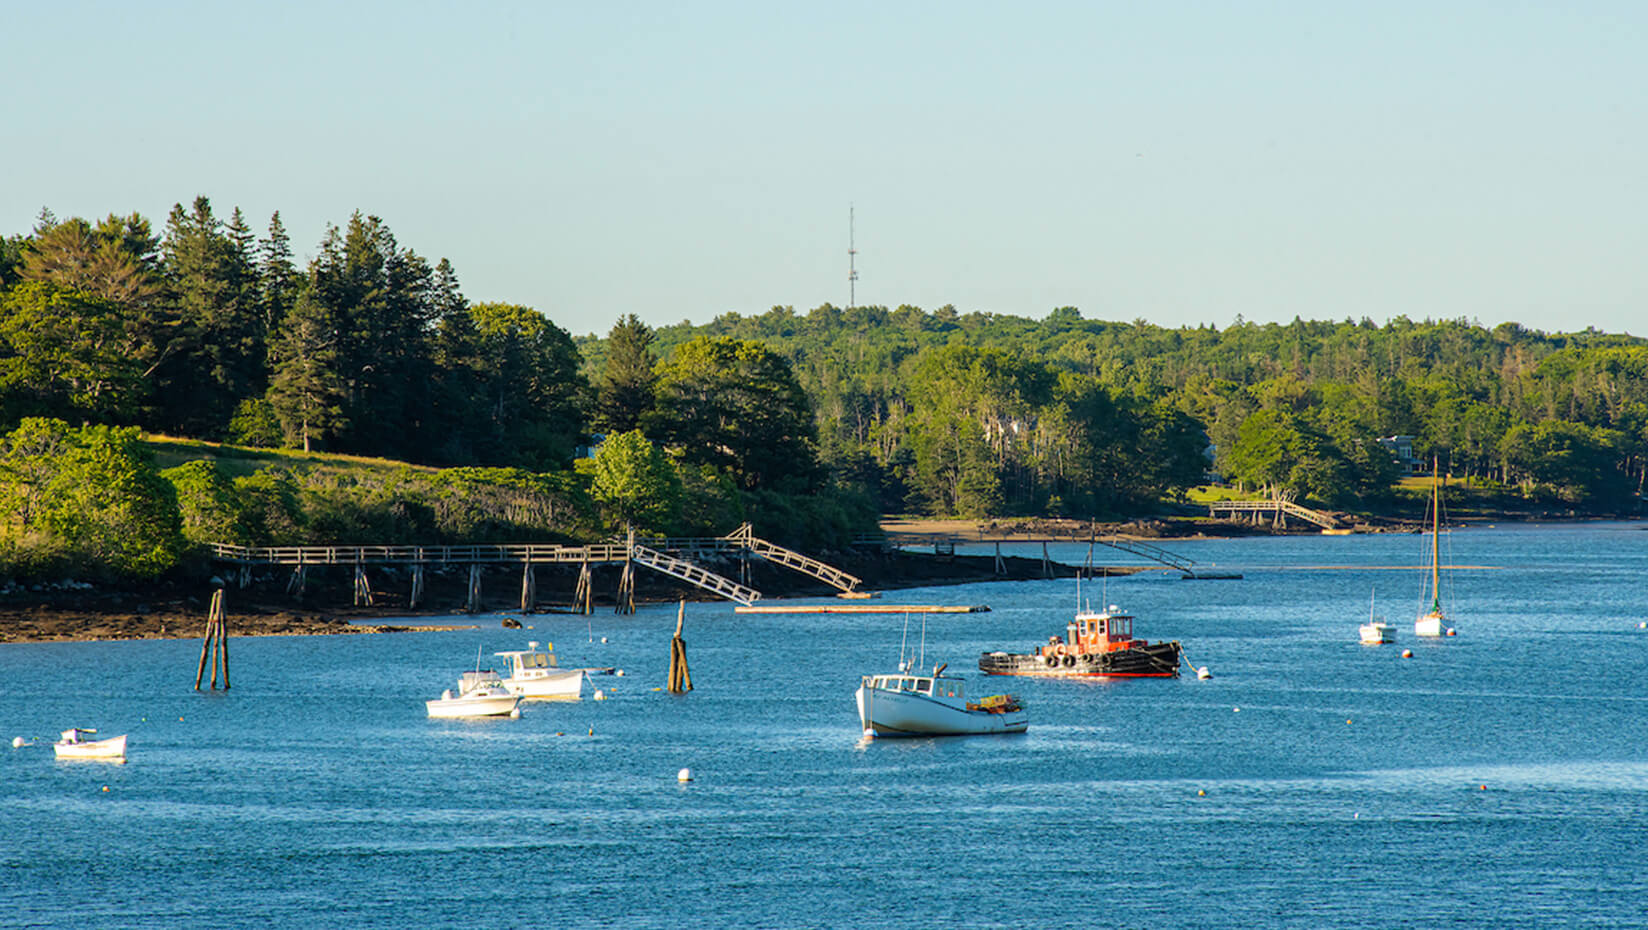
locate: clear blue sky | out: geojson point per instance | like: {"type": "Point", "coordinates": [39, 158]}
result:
{"type": "Point", "coordinates": [1179, 163]}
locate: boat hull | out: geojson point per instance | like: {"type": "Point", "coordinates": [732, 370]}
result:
{"type": "Point", "coordinates": [112, 748]}
{"type": "Point", "coordinates": [1158, 660]}
{"type": "Point", "coordinates": [478, 706]}
{"type": "Point", "coordinates": [901, 713]}
{"type": "Point", "coordinates": [1375, 634]}
{"type": "Point", "coordinates": [1428, 625]}
{"type": "Point", "coordinates": [565, 685]}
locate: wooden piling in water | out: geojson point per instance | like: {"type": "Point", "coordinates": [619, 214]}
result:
{"type": "Point", "coordinates": [680, 680]}
{"type": "Point", "coordinates": [583, 596]}
{"type": "Point", "coordinates": [217, 635]}
{"type": "Point", "coordinates": [529, 588]}
{"type": "Point", "coordinates": [363, 588]}
{"type": "Point", "coordinates": [473, 603]}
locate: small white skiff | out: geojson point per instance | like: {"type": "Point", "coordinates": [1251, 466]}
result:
{"type": "Point", "coordinates": [1376, 632]}
{"type": "Point", "coordinates": [933, 705]}
{"type": "Point", "coordinates": [480, 694]}
{"type": "Point", "coordinates": [74, 745]}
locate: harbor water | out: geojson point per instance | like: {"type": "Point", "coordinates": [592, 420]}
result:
{"type": "Point", "coordinates": [1497, 778]}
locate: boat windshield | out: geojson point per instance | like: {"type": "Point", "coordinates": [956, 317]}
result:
{"type": "Point", "coordinates": [890, 683]}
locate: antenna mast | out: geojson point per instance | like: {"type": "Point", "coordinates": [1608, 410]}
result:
{"type": "Point", "coordinates": [852, 263]}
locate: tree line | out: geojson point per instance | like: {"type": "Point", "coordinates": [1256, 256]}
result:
{"type": "Point", "coordinates": [983, 414]}
{"type": "Point", "coordinates": [209, 331]}
{"type": "Point", "coordinates": [809, 423]}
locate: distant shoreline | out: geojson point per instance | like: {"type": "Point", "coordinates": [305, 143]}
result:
{"type": "Point", "coordinates": [178, 612]}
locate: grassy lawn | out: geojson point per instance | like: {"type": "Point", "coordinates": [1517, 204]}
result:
{"type": "Point", "coordinates": [238, 461]}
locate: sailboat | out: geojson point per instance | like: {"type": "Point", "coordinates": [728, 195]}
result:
{"type": "Point", "coordinates": [1430, 623]}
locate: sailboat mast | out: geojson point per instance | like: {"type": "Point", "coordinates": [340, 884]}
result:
{"type": "Point", "coordinates": [1436, 539]}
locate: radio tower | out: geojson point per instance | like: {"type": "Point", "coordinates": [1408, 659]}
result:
{"type": "Point", "coordinates": [852, 263]}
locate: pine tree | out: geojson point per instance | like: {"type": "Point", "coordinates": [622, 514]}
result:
{"type": "Point", "coordinates": [278, 279]}
{"type": "Point", "coordinates": [209, 273]}
{"type": "Point", "coordinates": [305, 389]}
{"type": "Point", "coordinates": [628, 386]}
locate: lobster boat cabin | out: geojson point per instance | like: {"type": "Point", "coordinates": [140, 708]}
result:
{"type": "Point", "coordinates": [1095, 644]}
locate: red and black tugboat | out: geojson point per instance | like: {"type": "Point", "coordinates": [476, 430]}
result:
{"type": "Point", "coordinates": [1097, 643]}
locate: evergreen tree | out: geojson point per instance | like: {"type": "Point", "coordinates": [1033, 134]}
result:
{"type": "Point", "coordinates": [209, 272]}
{"type": "Point", "coordinates": [457, 394]}
{"type": "Point", "coordinates": [278, 278]}
{"type": "Point", "coordinates": [628, 385]}
{"type": "Point", "coordinates": [306, 389]}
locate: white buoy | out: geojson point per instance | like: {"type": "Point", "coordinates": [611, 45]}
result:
{"type": "Point", "coordinates": [1643, 625]}
{"type": "Point", "coordinates": [515, 714]}
{"type": "Point", "coordinates": [600, 695]}
{"type": "Point", "coordinates": [1407, 653]}
{"type": "Point", "coordinates": [619, 673]}
{"type": "Point", "coordinates": [17, 742]}
{"type": "Point", "coordinates": [685, 775]}
{"type": "Point", "coordinates": [1203, 673]}
{"type": "Point", "coordinates": [603, 640]}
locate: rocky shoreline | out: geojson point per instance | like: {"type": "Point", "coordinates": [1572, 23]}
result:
{"type": "Point", "coordinates": [77, 611]}
{"type": "Point", "coordinates": [72, 611]}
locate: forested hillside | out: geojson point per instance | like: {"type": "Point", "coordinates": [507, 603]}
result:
{"type": "Point", "coordinates": [981, 413]}
{"type": "Point", "coordinates": [806, 423]}
{"type": "Point", "coordinates": [111, 332]}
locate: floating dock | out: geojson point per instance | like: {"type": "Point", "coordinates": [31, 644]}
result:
{"type": "Point", "coordinates": [863, 609]}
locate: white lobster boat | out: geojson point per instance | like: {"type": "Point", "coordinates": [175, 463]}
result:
{"type": "Point", "coordinates": [74, 745]}
{"type": "Point", "coordinates": [933, 705]}
{"type": "Point", "coordinates": [535, 675]}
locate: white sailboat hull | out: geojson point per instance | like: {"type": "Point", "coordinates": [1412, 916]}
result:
{"type": "Point", "coordinates": [902, 713]}
{"type": "Point", "coordinates": [1428, 625]}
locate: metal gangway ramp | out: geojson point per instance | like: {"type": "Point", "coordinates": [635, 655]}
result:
{"type": "Point", "coordinates": [745, 538]}
{"type": "Point", "coordinates": [692, 574]}
{"type": "Point", "coordinates": [1187, 567]}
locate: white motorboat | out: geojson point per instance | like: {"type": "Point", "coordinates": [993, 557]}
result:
{"type": "Point", "coordinates": [480, 694]}
{"type": "Point", "coordinates": [536, 675]}
{"type": "Point", "coordinates": [933, 705]}
{"type": "Point", "coordinates": [74, 745]}
{"type": "Point", "coordinates": [1376, 631]}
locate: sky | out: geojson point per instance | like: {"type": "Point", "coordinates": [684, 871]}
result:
{"type": "Point", "coordinates": [1179, 163]}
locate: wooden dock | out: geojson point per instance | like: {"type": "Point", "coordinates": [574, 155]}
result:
{"type": "Point", "coordinates": [863, 609]}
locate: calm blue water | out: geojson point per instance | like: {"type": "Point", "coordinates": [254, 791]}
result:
{"type": "Point", "coordinates": [1312, 782]}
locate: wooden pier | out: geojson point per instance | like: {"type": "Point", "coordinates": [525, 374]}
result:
{"type": "Point", "coordinates": [672, 557]}
{"type": "Point", "coordinates": [863, 609]}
